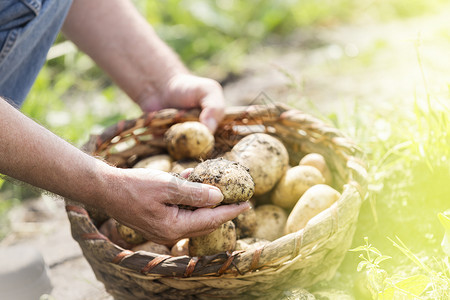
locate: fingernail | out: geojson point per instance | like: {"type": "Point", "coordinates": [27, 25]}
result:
{"type": "Point", "coordinates": [185, 173]}
{"type": "Point", "coordinates": [246, 204]}
{"type": "Point", "coordinates": [215, 196]}
{"type": "Point", "coordinates": [211, 123]}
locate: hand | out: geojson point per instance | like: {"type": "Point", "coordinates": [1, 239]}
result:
{"type": "Point", "coordinates": [147, 202]}
{"type": "Point", "coordinates": [120, 40]}
{"type": "Point", "coordinates": [188, 91]}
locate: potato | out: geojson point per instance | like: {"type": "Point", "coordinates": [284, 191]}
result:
{"type": "Point", "coordinates": [189, 140]}
{"type": "Point", "coordinates": [261, 199]}
{"type": "Point", "coordinates": [270, 222]}
{"type": "Point", "coordinates": [109, 229]}
{"type": "Point", "coordinates": [245, 223]}
{"type": "Point", "coordinates": [98, 216]}
{"type": "Point", "coordinates": [316, 199]}
{"type": "Point", "coordinates": [183, 164]}
{"type": "Point", "coordinates": [318, 161]}
{"type": "Point", "coordinates": [130, 235]}
{"type": "Point", "coordinates": [220, 240]}
{"type": "Point", "coordinates": [293, 184]}
{"type": "Point", "coordinates": [250, 244]}
{"type": "Point", "coordinates": [162, 162]}
{"type": "Point", "coordinates": [233, 179]}
{"type": "Point", "coordinates": [152, 247]}
{"type": "Point", "coordinates": [181, 248]}
{"type": "Point", "coordinates": [265, 157]}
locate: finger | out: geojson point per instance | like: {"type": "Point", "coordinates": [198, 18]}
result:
{"type": "Point", "coordinates": [211, 117]}
{"type": "Point", "coordinates": [185, 173]}
{"type": "Point", "coordinates": [192, 193]}
{"type": "Point", "coordinates": [213, 109]}
{"type": "Point", "coordinates": [205, 220]}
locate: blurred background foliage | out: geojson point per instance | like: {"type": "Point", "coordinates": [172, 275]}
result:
{"type": "Point", "coordinates": [72, 96]}
{"type": "Point", "coordinates": [219, 32]}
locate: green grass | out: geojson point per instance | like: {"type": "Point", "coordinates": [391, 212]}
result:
{"type": "Point", "coordinates": [431, 282]}
{"type": "Point", "coordinates": [76, 102]}
{"type": "Point", "coordinates": [409, 183]}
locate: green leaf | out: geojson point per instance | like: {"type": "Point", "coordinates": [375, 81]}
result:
{"type": "Point", "coordinates": [361, 265]}
{"type": "Point", "coordinates": [375, 250]}
{"type": "Point", "coordinates": [445, 221]}
{"type": "Point", "coordinates": [409, 288]}
{"type": "Point", "coordinates": [446, 244]}
{"type": "Point", "coordinates": [360, 248]}
{"type": "Point", "coordinates": [381, 258]}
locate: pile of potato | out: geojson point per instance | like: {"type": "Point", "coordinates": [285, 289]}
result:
{"type": "Point", "coordinates": [283, 198]}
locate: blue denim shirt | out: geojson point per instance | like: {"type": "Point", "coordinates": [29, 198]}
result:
{"type": "Point", "coordinates": [28, 28]}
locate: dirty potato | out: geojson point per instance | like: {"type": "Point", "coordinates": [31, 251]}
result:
{"type": "Point", "coordinates": [181, 248]}
{"type": "Point", "coordinates": [245, 223]}
{"type": "Point", "coordinates": [316, 199]}
{"type": "Point", "coordinates": [265, 157]}
{"type": "Point", "coordinates": [233, 179]}
{"type": "Point", "coordinates": [152, 247]}
{"type": "Point", "coordinates": [293, 184]}
{"type": "Point", "coordinates": [250, 243]}
{"type": "Point", "coordinates": [109, 229]}
{"type": "Point", "coordinates": [189, 140]}
{"type": "Point", "coordinates": [162, 162]}
{"type": "Point", "coordinates": [270, 222]}
{"type": "Point", "coordinates": [130, 235]}
{"type": "Point", "coordinates": [318, 161]}
{"type": "Point", "coordinates": [220, 240]}
{"type": "Point", "coordinates": [183, 164]}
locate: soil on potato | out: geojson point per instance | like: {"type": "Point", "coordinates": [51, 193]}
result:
{"type": "Point", "coordinates": [231, 178]}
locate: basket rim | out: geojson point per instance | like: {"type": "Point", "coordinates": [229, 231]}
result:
{"type": "Point", "coordinates": [191, 267]}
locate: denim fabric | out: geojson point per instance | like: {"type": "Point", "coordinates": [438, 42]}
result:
{"type": "Point", "coordinates": [28, 29]}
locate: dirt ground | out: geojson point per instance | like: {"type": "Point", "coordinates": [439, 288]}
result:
{"type": "Point", "coordinates": [328, 70]}
{"type": "Point", "coordinates": [42, 223]}
{"type": "Point", "coordinates": [332, 70]}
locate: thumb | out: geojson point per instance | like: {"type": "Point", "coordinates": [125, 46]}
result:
{"type": "Point", "coordinates": [180, 191]}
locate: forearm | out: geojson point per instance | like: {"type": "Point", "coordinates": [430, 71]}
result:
{"type": "Point", "coordinates": [141, 198]}
{"type": "Point", "coordinates": [122, 43]}
{"type": "Point", "coordinates": [31, 153]}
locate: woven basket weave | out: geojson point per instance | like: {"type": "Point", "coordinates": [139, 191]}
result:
{"type": "Point", "coordinates": [296, 260]}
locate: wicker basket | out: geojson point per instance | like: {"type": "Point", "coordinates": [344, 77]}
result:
{"type": "Point", "coordinates": [297, 260]}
